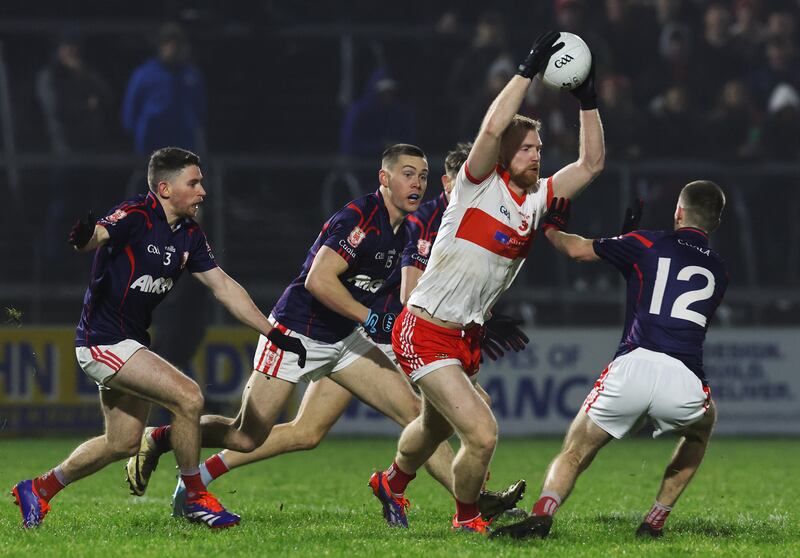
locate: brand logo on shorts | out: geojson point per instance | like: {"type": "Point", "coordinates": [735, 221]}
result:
{"type": "Point", "coordinates": [355, 237]}
{"type": "Point", "coordinates": [441, 356]}
{"type": "Point", "coordinates": [116, 216]}
{"type": "Point", "coordinates": [423, 247]}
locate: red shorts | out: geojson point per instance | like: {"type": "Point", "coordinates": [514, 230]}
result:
{"type": "Point", "coordinates": [422, 347]}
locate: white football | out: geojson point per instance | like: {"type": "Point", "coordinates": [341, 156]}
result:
{"type": "Point", "coordinates": [569, 66]}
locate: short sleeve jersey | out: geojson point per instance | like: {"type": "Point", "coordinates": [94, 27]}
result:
{"type": "Point", "coordinates": [675, 283]}
{"type": "Point", "coordinates": [484, 238]}
{"type": "Point", "coordinates": [361, 233]}
{"type": "Point", "coordinates": [423, 227]}
{"type": "Point", "coordinates": [134, 271]}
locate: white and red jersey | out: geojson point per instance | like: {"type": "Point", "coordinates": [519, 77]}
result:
{"type": "Point", "coordinates": [485, 235]}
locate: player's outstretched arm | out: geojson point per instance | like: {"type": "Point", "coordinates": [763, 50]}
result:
{"type": "Point", "coordinates": [483, 156]}
{"type": "Point", "coordinates": [571, 180]}
{"type": "Point", "coordinates": [85, 235]}
{"type": "Point", "coordinates": [573, 245]}
{"type": "Point", "coordinates": [235, 298]}
{"type": "Point", "coordinates": [324, 284]}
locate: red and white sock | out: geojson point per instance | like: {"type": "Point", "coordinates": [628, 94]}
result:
{"type": "Point", "coordinates": [466, 512]}
{"type": "Point", "coordinates": [50, 483]}
{"type": "Point", "coordinates": [657, 515]}
{"type": "Point", "coordinates": [160, 436]}
{"type": "Point", "coordinates": [547, 504]}
{"type": "Point", "coordinates": [192, 481]}
{"type": "Point", "coordinates": [213, 467]}
{"type": "Point", "coordinates": [398, 479]}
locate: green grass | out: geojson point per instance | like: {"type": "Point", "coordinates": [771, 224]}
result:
{"type": "Point", "coordinates": [743, 502]}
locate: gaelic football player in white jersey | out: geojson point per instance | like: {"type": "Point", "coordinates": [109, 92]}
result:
{"type": "Point", "coordinates": [483, 240]}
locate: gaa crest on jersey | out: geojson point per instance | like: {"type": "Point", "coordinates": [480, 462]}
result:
{"type": "Point", "coordinates": [423, 247]}
{"type": "Point", "coordinates": [355, 237]}
{"type": "Point", "coordinates": [116, 216]}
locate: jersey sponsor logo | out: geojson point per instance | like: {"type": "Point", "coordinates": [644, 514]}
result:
{"type": "Point", "coordinates": [423, 247]}
{"type": "Point", "coordinates": [147, 284]}
{"type": "Point", "coordinates": [116, 216]}
{"type": "Point", "coordinates": [355, 237]}
{"type": "Point", "coordinates": [366, 283]}
{"type": "Point", "coordinates": [208, 249]}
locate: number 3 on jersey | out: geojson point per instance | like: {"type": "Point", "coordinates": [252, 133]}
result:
{"type": "Point", "coordinates": [680, 308]}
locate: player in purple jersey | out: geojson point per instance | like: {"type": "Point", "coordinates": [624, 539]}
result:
{"type": "Point", "coordinates": [141, 249]}
{"type": "Point", "coordinates": [676, 283]}
{"type": "Point", "coordinates": [356, 254]}
{"type": "Point", "coordinates": [325, 401]}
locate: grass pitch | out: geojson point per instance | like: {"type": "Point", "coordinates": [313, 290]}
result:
{"type": "Point", "coordinates": [743, 502]}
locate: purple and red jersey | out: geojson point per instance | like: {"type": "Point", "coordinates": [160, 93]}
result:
{"type": "Point", "coordinates": [135, 269]}
{"type": "Point", "coordinates": [422, 227]}
{"type": "Point", "coordinates": [362, 234]}
{"type": "Point", "coordinates": [675, 283]}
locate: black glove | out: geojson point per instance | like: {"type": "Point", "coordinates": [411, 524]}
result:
{"type": "Point", "coordinates": [291, 344]}
{"type": "Point", "coordinates": [586, 92]}
{"type": "Point", "coordinates": [502, 332]}
{"type": "Point", "coordinates": [541, 51]}
{"type": "Point", "coordinates": [379, 321]}
{"type": "Point", "coordinates": [633, 216]}
{"type": "Point", "coordinates": [82, 231]}
{"type": "Point", "coordinates": [557, 215]}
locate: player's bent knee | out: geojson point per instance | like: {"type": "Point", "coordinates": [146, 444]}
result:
{"type": "Point", "coordinates": [192, 402]}
{"type": "Point", "coordinates": [123, 447]}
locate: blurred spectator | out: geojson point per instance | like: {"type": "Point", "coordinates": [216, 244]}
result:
{"type": "Point", "coordinates": [673, 130]}
{"type": "Point", "coordinates": [780, 136]}
{"type": "Point", "coordinates": [747, 32]}
{"type": "Point", "coordinates": [76, 103]}
{"type": "Point", "coordinates": [732, 123]}
{"type": "Point", "coordinates": [75, 100]}
{"type": "Point", "coordinates": [488, 43]}
{"type": "Point", "coordinates": [782, 67]}
{"type": "Point", "coordinates": [781, 24]}
{"type": "Point", "coordinates": [629, 31]}
{"type": "Point", "coordinates": [165, 102]}
{"type": "Point", "coordinates": [676, 65]}
{"type": "Point", "coordinates": [377, 119]}
{"type": "Point", "coordinates": [624, 123]}
{"type": "Point", "coordinates": [717, 58]}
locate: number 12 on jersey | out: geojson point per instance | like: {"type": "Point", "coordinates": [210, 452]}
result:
{"type": "Point", "coordinates": [680, 308]}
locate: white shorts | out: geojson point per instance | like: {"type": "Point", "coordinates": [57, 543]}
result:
{"type": "Point", "coordinates": [322, 359]}
{"type": "Point", "coordinates": [644, 384]}
{"type": "Point", "coordinates": [385, 347]}
{"type": "Point", "coordinates": [101, 362]}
